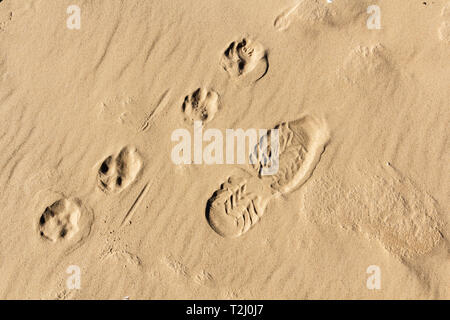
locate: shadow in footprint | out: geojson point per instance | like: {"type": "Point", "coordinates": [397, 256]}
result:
{"type": "Point", "coordinates": [60, 220]}
{"type": "Point", "coordinates": [201, 105]}
{"type": "Point", "coordinates": [238, 205]}
{"type": "Point", "coordinates": [245, 59]}
{"type": "Point", "coordinates": [117, 172]}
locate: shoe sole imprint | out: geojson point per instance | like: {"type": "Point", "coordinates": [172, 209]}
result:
{"type": "Point", "coordinates": [232, 211]}
{"type": "Point", "coordinates": [301, 144]}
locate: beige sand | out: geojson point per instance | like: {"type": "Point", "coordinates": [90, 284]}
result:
{"type": "Point", "coordinates": [88, 180]}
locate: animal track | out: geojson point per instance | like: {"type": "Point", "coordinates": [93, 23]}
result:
{"type": "Point", "coordinates": [6, 21]}
{"type": "Point", "coordinates": [60, 220]}
{"type": "Point", "coordinates": [301, 143]}
{"type": "Point", "coordinates": [176, 266]}
{"type": "Point", "coordinates": [201, 105]}
{"type": "Point", "coordinates": [232, 211]}
{"type": "Point", "coordinates": [117, 172]}
{"type": "Point", "coordinates": [241, 58]}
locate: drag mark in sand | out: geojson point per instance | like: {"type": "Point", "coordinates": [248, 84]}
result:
{"type": "Point", "coordinates": [132, 210]}
{"type": "Point", "coordinates": [444, 29]}
{"type": "Point", "coordinates": [283, 21]}
{"type": "Point", "coordinates": [161, 104]}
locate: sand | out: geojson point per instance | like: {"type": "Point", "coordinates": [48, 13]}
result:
{"type": "Point", "coordinates": [94, 207]}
